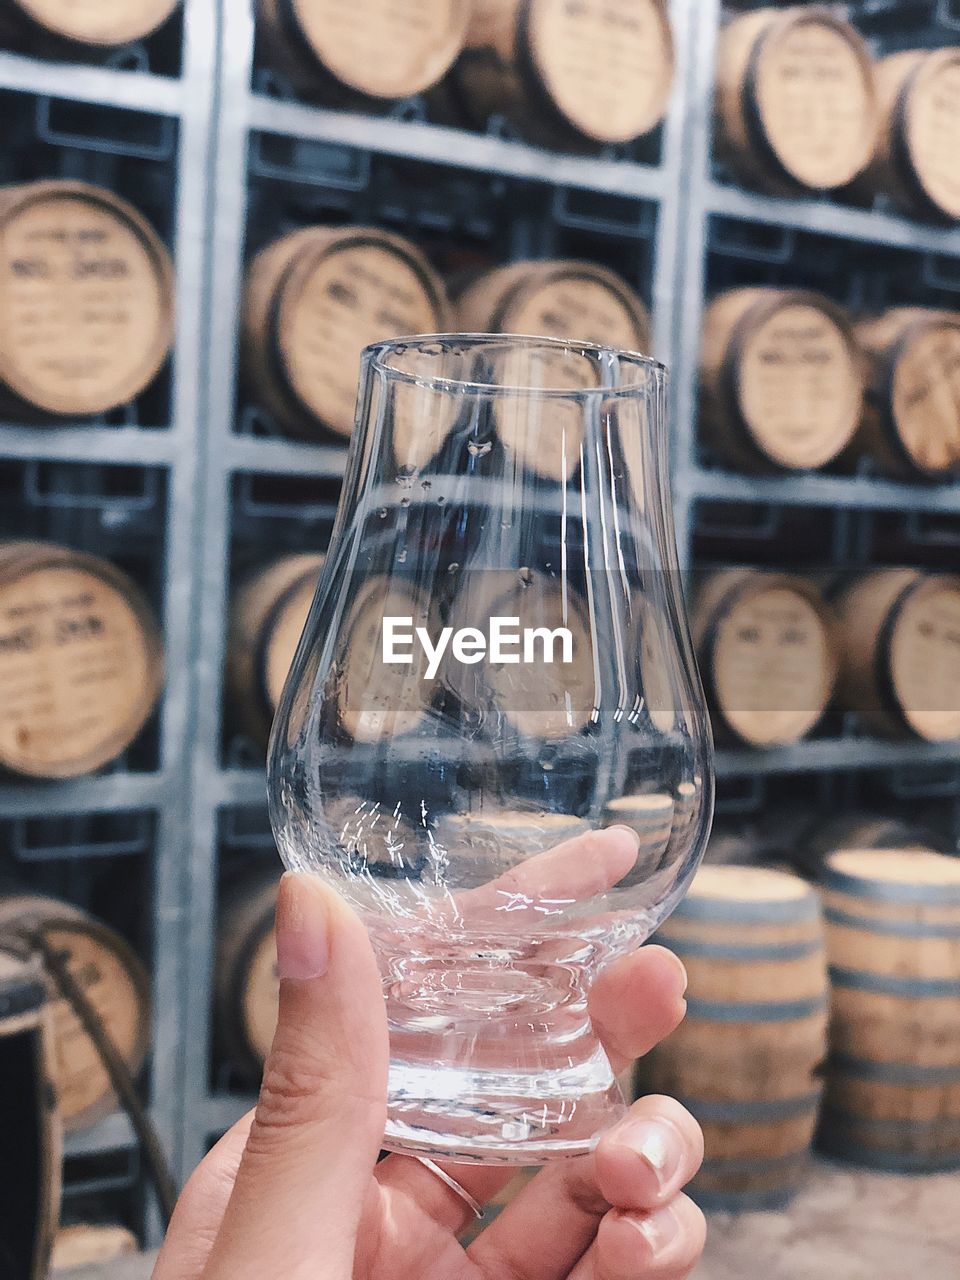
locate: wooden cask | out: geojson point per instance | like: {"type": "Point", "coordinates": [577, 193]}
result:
{"type": "Point", "coordinates": [31, 1153]}
{"type": "Point", "coordinates": [781, 379]}
{"type": "Point", "coordinates": [246, 986]}
{"type": "Point", "coordinates": [115, 983]}
{"type": "Point", "coordinates": [745, 1058]}
{"type": "Point", "coordinates": [377, 700]}
{"type": "Point", "coordinates": [314, 300]}
{"type": "Point", "coordinates": [81, 661]}
{"type": "Point", "coordinates": [556, 299]}
{"type": "Point", "coordinates": [855, 831]}
{"type": "Point", "coordinates": [796, 101]}
{"type": "Point", "coordinates": [767, 650]}
{"type": "Point", "coordinates": [911, 426]}
{"type": "Point", "coordinates": [86, 300]}
{"type": "Point", "coordinates": [362, 53]}
{"type": "Point", "coordinates": [900, 667]}
{"type": "Point", "coordinates": [570, 74]}
{"type": "Point", "coordinates": [538, 699]}
{"type": "Point", "coordinates": [916, 160]}
{"type": "Point", "coordinates": [652, 816]}
{"type": "Point", "coordinates": [893, 938]}
{"type": "Point", "coordinates": [57, 28]}
{"type": "Point", "coordinates": [267, 617]}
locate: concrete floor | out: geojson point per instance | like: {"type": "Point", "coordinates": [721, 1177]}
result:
{"type": "Point", "coordinates": [845, 1225]}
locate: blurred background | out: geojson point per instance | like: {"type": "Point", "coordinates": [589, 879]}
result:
{"type": "Point", "coordinates": [206, 209]}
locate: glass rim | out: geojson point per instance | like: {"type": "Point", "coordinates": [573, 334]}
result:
{"type": "Point", "coordinates": [376, 351]}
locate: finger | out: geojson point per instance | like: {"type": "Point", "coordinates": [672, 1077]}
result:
{"type": "Point", "coordinates": [637, 1002]}
{"type": "Point", "coordinates": [574, 871]}
{"type": "Point", "coordinates": [200, 1209]}
{"type": "Point", "coordinates": [664, 1245]}
{"type": "Point", "coordinates": [313, 1144]}
{"type": "Point", "coordinates": [642, 1162]}
{"type": "Point", "coordinates": [645, 1160]}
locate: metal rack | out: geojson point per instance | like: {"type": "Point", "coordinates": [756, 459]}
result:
{"type": "Point", "coordinates": [177, 110]}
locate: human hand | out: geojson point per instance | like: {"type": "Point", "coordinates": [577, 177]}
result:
{"type": "Point", "coordinates": [294, 1190]}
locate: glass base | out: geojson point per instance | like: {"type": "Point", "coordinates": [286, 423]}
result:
{"type": "Point", "coordinates": [501, 1117]}
{"type": "Point", "coordinates": [494, 1057]}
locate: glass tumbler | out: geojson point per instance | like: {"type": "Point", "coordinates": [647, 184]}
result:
{"type": "Point", "coordinates": [495, 670]}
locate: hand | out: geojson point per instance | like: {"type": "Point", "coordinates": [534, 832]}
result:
{"type": "Point", "coordinates": [293, 1192]}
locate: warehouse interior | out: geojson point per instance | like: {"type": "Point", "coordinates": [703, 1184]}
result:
{"type": "Point", "coordinates": [207, 208]}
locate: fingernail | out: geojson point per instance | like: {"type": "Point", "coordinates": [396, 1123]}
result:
{"type": "Point", "coordinates": [661, 1230]}
{"type": "Point", "coordinates": [681, 971]}
{"type": "Point", "coordinates": [658, 1145]}
{"type": "Point", "coordinates": [303, 927]}
{"type": "Point", "coordinates": [634, 836]}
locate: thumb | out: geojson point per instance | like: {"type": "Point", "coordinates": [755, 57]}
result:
{"type": "Point", "coordinates": [306, 1170]}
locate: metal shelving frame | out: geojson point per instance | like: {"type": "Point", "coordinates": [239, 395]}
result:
{"type": "Point", "coordinates": [187, 99]}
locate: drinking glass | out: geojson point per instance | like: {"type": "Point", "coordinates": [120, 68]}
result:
{"type": "Point", "coordinates": [496, 667]}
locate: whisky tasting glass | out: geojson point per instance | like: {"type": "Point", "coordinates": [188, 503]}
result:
{"type": "Point", "coordinates": [496, 667]}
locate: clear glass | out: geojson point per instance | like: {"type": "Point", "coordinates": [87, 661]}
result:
{"type": "Point", "coordinates": [497, 661]}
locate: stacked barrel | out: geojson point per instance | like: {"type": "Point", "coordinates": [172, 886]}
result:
{"type": "Point", "coordinates": [803, 106]}
{"type": "Point", "coordinates": [746, 1057]}
{"type": "Point", "coordinates": [790, 383]}
{"type": "Point", "coordinates": [893, 939]}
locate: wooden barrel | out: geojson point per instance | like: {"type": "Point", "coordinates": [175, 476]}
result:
{"type": "Point", "coordinates": [781, 379]}
{"type": "Point", "coordinates": [57, 27]}
{"type": "Point", "coordinates": [855, 831]}
{"type": "Point", "coordinates": [246, 986]}
{"type": "Point", "coordinates": [314, 300]}
{"type": "Point", "coordinates": [112, 979]}
{"type": "Point", "coordinates": [367, 52]}
{"type": "Point", "coordinates": [267, 617]}
{"type": "Point", "coordinates": [556, 299]}
{"type": "Point", "coordinates": [912, 422]}
{"type": "Point", "coordinates": [377, 700]}
{"type": "Point", "coordinates": [651, 815]}
{"type": "Point", "coordinates": [574, 74]}
{"type": "Point", "coordinates": [796, 101]}
{"type": "Point", "coordinates": [86, 300]}
{"type": "Point", "coordinates": [767, 651]}
{"type": "Point", "coordinates": [538, 699]}
{"type": "Point", "coordinates": [81, 661]}
{"type": "Point", "coordinates": [87, 1245]}
{"type": "Point", "coordinates": [745, 1058]}
{"type": "Point", "coordinates": [893, 939]}
{"type": "Point", "coordinates": [31, 1153]}
{"type": "Point", "coordinates": [916, 158]}
{"type": "Point", "coordinates": [900, 667]}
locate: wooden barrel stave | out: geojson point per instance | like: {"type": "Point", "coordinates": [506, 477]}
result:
{"type": "Point", "coordinates": [246, 986]}
{"type": "Point", "coordinates": [88, 28]}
